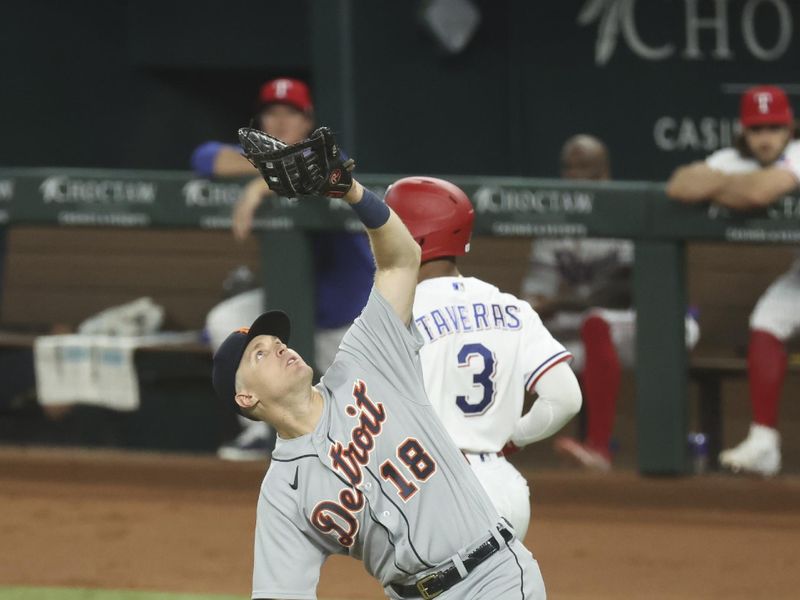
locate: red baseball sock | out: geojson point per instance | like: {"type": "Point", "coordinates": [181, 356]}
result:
{"type": "Point", "coordinates": [601, 379]}
{"type": "Point", "coordinates": [766, 368]}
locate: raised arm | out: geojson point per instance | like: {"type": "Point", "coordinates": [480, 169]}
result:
{"type": "Point", "coordinates": [215, 159]}
{"type": "Point", "coordinates": [317, 167]}
{"type": "Point", "coordinates": [740, 191]}
{"type": "Point", "coordinates": [397, 255]}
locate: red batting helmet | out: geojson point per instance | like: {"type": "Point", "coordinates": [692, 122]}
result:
{"type": "Point", "coordinates": [437, 213]}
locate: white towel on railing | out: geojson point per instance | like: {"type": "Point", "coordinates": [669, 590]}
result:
{"type": "Point", "coordinates": [94, 369]}
{"type": "Point", "coordinates": [136, 318]}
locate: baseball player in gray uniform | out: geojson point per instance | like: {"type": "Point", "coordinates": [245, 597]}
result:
{"type": "Point", "coordinates": [362, 464]}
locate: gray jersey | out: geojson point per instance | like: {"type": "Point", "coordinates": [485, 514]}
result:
{"type": "Point", "coordinates": [378, 479]}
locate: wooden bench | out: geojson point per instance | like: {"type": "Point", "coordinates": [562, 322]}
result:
{"type": "Point", "coordinates": [57, 277]}
{"type": "Point", "coordinates": [178, 410]}
{"type": "Point", "coordinates": [709, 373]}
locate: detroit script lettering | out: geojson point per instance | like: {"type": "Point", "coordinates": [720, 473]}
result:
{"type": "Point", "coordinates": [339, 516]}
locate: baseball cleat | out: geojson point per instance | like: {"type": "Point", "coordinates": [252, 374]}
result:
{"type": "Point", "coordinates": [759, 453]}
{"type": "Point", "coordinates": [582, 454]}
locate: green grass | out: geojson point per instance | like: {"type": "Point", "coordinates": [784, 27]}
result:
{"type": "Point", "coordinates": [27, 593]}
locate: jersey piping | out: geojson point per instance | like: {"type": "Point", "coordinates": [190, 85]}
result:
{"type": "Point", "coordinates": [521, 572]}
{"type": "Point", "coordinates": [402, 514]}
{"type": "Point", "coordinates": [286, 460]}
{"type": "Point", "coordinates": [545, 366]}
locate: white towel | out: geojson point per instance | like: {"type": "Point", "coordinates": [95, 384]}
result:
{"type": "Point", "coordinates": [94, 369]}
{"type": "Point", "coordinates": [116, 385]}
{"type": "Point", "coordinates": [63, 368]}
{"type": "Point", "coordinates": [137, 318]}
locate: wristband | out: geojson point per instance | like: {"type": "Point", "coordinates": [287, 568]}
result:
{"type": "Point", "coordinates": [372, 211]}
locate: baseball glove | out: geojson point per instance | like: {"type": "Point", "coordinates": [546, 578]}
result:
{"type": "Point", "coordinates": [313, 167]}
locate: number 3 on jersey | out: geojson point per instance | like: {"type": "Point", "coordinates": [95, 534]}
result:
{"type": "Point", "coordinates": [483, 378]}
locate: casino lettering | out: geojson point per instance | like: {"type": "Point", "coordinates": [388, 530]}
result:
{"type": "Point", "coordinates": [339, 516]}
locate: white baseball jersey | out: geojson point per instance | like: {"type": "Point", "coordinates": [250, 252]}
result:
{"type": "Point", "coordinates": [483, 349]}
{"type": "Point", "coordinates": [728, 160]}
{"type": "Point", "coordinates": [776, 310]}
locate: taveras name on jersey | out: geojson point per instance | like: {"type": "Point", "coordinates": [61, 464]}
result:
{"type": "Point", "coordinates": [483, 349]}
{"type": "Point", "coordinates": [476, 316]}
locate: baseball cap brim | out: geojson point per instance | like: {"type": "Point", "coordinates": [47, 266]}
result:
{"type": "Point", "coordinates": [229, 354]}
{"type": "Point", "coordinates": [769, 119]}
{"type": "Point", "coordinates": [272, 322]}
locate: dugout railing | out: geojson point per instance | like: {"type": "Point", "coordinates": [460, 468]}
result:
{"type": "Point", "coordinates": [518, 207]}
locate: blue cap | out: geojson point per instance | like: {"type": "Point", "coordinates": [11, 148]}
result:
{"type": "Point", "coordinates": [229, 354]}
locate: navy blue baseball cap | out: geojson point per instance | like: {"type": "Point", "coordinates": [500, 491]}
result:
{"type": "Point", "coordinates": [229, 354]}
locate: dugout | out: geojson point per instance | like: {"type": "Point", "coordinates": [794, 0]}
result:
{"type": "Point", "coordinates": [53, 254]}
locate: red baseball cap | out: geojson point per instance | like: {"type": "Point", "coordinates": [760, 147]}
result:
{"type": "Point", "coordinates": [765, 105]}
{"type": "Point", "coordinates": [286, 91]}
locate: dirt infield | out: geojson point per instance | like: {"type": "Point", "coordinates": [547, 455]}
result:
{"type": "Point", "coordinates": [185, 524]}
